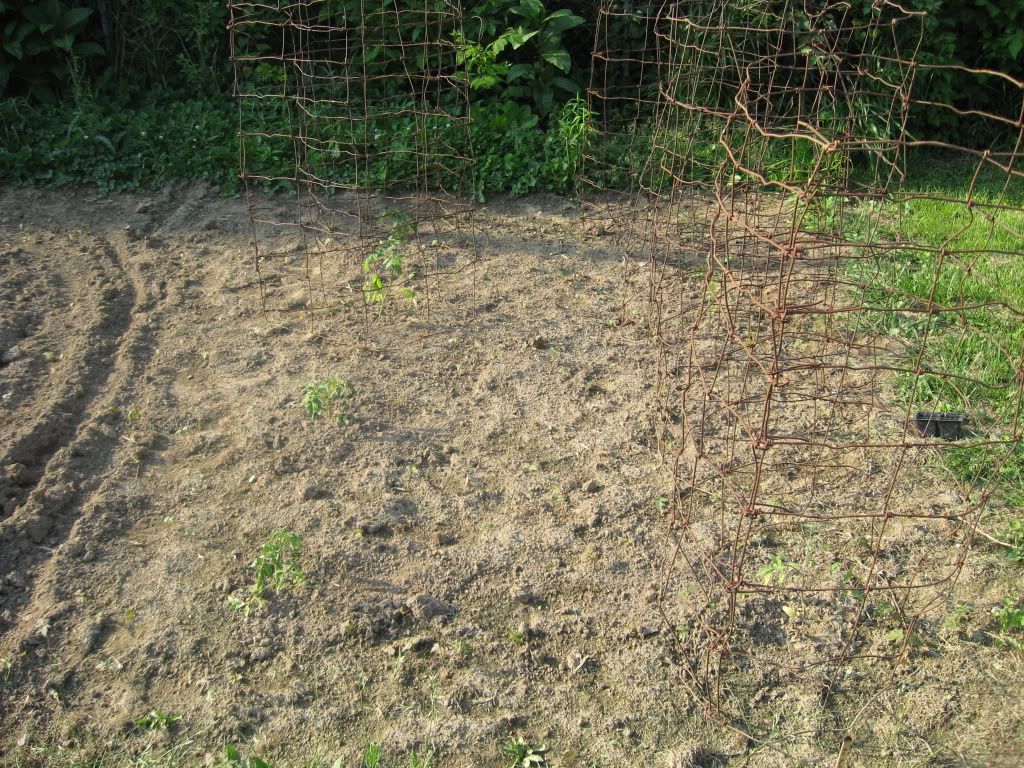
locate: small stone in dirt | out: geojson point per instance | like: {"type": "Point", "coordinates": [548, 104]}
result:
{"type": "Point", "coordinates": [434, 458]}
{"type": "Point", "coordinates": [10, 355]}
{"type": "Point", "coordinates": [313, 492]}
{"type": "Point", "coordinates": [592, 487]}
{"type": "Point", "coordinates": [444, 539]}
{"type": "Point", "coordinates": [18, 474]}
{"type": "Point", "coordinates": [418, 644]}
{"type": "Point", "coordinates": [537, 342]}
{"type": "Point", "coordinates": [38, 528]}
{"type": "Point", "coordinates": [524, 594]}
{"type": "Point", "coordinates": [426, 607]}
{"type": "Point", "coordinates": [91, 634]}
{"type": "Point", "coordinates": [372, 528]}
{"type": "Point", "coordinates": [263, 653]}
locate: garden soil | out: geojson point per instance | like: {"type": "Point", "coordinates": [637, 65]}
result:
{"type": "Point", "coordinates": [483, 544]}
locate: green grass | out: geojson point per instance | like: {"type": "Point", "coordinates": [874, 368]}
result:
{"type": "Point", "coordinates": [952, 295]}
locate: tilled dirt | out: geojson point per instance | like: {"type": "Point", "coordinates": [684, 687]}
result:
{"type": "Point", "coordinates": [483, 545]}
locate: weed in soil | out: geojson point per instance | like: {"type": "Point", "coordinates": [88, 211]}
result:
{"type": "Point", "coordinates": [155, 720]}
{"type": "Point", "coordinates": [1011, 624]}
{"type": "Point", "coordinates": [276, 569]}
{"type": "Point", "coordinates": [522, 754]}
{"type": "Point", "coordinates": [326, 398]}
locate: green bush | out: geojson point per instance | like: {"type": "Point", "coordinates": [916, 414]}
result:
{"type": "Point", "coordinates": [136, 93]}
{"type": "Point", "coordinates": [121, 149]}
{"type": "Point", "coordinates": [41, 44]}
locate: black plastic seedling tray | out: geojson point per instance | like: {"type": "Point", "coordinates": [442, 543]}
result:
{"type": "Point", "coordinates": [948, 426]}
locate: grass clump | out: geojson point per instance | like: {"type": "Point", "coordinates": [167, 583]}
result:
{"type": "Point", "coordinates": [954, 297]}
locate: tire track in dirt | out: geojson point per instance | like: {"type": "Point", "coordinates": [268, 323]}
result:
{"type": "Point", "coordinates": [71, 448]}
{"type": "Point", "coordinates": [53, 415]}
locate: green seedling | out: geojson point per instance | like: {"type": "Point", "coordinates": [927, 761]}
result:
{"type": "Point", "coordinates": [276, 569]}
{"type": "Point", "coordinates": [522, 754]}
{"type": "Point", "coordinates": [1010, 617]}
{"type": "Point", "coordinates": [462, 647]}
{"type": "Point", "coordinates": [1015, 538]}
{"type": "Point", "coordinates": [326, 399]}
{"type": "Point", "coordinates": [371, 755]}
{"type": "Point", "coordinates": [776, 570]}
{"type": "Point", "coordinates": [420, 759]}
{"type": "Point", "coordinates": [155, 720]}
{"type": "Point", "coordinates": [515, 636]}
{"type": "Point", "coordinates": [384, 267]}
{"type": "Point", "coordinates": [953, 622]}
{"type": "Point", "coordinates": [234, 759]}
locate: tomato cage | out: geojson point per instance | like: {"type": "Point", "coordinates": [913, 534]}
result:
{"type": "Point", "coordinates": [358, 112]}
{"type": "Point", "coordinates": [841, 355]}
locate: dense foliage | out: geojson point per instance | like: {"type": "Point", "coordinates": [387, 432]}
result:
{"type": "Point", "coordinates": [134, 92]}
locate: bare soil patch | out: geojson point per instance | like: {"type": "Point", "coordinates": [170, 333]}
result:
{"type": "Point", "coordinates": [483, 545]}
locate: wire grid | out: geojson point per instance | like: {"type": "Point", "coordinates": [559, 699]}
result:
{"type": "Point", "coordinates": [359, 108]}
{"type": "Point", "coordinates": [817, 530]}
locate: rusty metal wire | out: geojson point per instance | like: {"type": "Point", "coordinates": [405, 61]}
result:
{"type": "Point", "coordinates": [362, 115]}
{"type": "Point", "coordinates": [817, 530]}
{"type": "Point", "coordinates": [803, 314]}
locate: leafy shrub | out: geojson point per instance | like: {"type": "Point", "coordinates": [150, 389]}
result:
{"type": "Point", "coordinates": [40, 41]}
{"type": "Point", "coordinates": [121, 149]}
{"type": "Point", "coordinates": [536, 68]}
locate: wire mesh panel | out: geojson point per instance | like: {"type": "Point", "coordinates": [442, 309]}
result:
{"type": "Point", "coordinates": [841, 395]}
{"type": "Point", "coordinates": [841, 339]}
{"type": "Point", "coordinates": [358, 107]}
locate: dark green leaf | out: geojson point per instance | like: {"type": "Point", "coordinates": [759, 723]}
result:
{"type": "Point", "coordinates": [64, 42]}
{"type": "Point", "coordinates": [560, 59]}
{"type": "Point", "coordinates": [74, 18]}
{"type": "Point", "coordinates": [562, 20]}
{"type": "Point", "coordinates": [567, 85]}
{"type": "Point", "coordinates": [88, 49]}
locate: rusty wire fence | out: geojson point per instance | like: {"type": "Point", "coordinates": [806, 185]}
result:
{"type": "Point", "coordinates": [841, 341]}
{"type": "Point", "coordinates": [362, 119]}
{"type": "Point", "coordinates": [841, 352]}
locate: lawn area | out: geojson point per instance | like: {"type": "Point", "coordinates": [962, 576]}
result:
{"type": "Point", "coordinates": [951, 289]}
